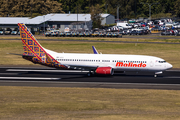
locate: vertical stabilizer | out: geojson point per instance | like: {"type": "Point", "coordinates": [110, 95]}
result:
{"type": "Point", "coordinates": [33, 51]}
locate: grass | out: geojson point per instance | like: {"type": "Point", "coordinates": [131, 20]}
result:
{"type": "Point", "coordinates": [88, 103]}
{"type": "Point", "coordinates": [169, 52]}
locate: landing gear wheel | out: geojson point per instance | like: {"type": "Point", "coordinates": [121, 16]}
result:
{"type": "Point", "coordinates": [89, 74]}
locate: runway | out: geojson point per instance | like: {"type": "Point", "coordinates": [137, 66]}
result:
{"type": "Point", "coordinates": [51, 77]}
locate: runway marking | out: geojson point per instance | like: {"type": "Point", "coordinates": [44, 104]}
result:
{"type": "Point", "coordinates": [173, 70]}
{"type": "Point", "coordinates": [24, 70]}
{"type": "Point", "coordinates": [175, 77]}
{"type": "Point", "coordinates": [29, 78]}
{"type": "Point", "coordinates": [27, 67]}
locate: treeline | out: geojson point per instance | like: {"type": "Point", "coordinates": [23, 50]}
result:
{"type": "Point", "coordinates": [29, 8]}
{"type": "Point", "coordinates": [127, 8]}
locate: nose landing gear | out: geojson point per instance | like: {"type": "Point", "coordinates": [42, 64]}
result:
{"type": "Point", "coordinates": [156, 73]}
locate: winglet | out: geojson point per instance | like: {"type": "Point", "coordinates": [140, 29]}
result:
{"type": "Point", "coordinates": [94, 50]}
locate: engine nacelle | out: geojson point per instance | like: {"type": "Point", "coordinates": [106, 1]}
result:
{"type": "Point", "coordinates": [104, 71]}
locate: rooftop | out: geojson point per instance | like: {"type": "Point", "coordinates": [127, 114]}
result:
{"type": "Point", "coordinates": [48, 17]}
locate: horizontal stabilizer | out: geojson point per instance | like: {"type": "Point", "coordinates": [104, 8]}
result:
{"type": "Point", "coordinates": [29, 56]}
{"type": "Point", "coordinates": [15, 54]}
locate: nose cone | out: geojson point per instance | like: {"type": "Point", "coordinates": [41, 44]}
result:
{"type": "Point", "coordinates": [169, 66]}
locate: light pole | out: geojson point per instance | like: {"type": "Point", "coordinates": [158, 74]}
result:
{"type": "Point", "coordinates": [106, 7]}
{"type": "Point", "coordinates": [77, 15]}
{"type": "Point", "coordinates": [44, 23]}
{"type": "Point", "coordinates": [85, 22]}
{"type": "Point", "coordinates": [118, 12]}
{"type": "Point", "coordinates": [149, 8]}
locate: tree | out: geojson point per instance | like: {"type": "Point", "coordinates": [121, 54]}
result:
{"type": "Point", "coordinates": [177, 8]}
{"type": "Point", "coordinates": [96, 16]}
{"type": "Point", "coordinates": [24, 8]}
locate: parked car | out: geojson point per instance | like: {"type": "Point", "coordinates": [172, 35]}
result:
{"type": "Point", "coordinates": [95, 34]}
{"type": "Point", "coordinates": [134, 32]}
{"type": "Point", "coordinates": [168, 32]}
{"type": "Point", "coordinates": [87, 34]}
{"type": "Point", "coordinates": [15, 31]}
{"type": "Point", "coordinates": [1, 32]}
{"type": "Point", "coordinates": [61, 34]}
{"type": "Point", "coordinates": [140, 32]}
{"type": "Point", "coordinates": [48, 34]}
{"type": "Point", "coordinates": [102, 34]}
{"type": "Point", "coordinates": [109, 34]}
{"type": "Point", "coordinates": [124, 32]}
{"type": "Point", "coordinates": [68, 34]}
{"type": "Point", "coordinates": [81, 34]}
{"type": "Point", "coordinates": [8, 31]}
{"type": "Point", "coordinates": [74, 34]}
{"type": "Point", "coordinates": [114, 34]}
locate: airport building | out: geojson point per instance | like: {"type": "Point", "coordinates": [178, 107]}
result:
{"type": "Point", "coordinates": [57, 21]}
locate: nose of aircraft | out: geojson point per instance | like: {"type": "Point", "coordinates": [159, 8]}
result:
{"type": "Point", "coordinates": [169, 66]}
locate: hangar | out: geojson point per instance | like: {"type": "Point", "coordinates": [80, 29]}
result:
{"type": "Point", "coordinates": [54, 20]}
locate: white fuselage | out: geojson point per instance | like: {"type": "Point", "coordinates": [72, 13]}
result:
{"type": "Point", "coordinates": [116, 62]}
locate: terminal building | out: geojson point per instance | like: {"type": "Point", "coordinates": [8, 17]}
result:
{"type": "Point", "coordinates": [56, 21]}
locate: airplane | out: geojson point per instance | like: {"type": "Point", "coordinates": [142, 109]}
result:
{"type": "Point", "coordinates": [102, 64]}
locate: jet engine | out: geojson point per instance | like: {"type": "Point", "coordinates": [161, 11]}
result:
{"type": "Point", "coordinates": [104, 71]}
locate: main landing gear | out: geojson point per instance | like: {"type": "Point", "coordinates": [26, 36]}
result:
{"type": "Point", "coordinates": [90, 73]}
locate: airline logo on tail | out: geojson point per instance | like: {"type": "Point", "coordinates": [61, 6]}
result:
{"type": "Point", "coordinates": [33, 51]}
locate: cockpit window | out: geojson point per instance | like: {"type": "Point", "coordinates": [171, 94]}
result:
{"type": "Point", "coordinates": [162, 61]}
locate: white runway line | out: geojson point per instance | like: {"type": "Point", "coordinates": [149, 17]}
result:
{"type": "Point", "coordinates": [174, 77]}
{"type": "Point", "coordinates": [29, 78]}
{"type": "Point", "coordinates": [27, 68]}
{"type": "Point", "coordinates": [24, 70]}
{"type": "Point", "coordinates": [173, 70]}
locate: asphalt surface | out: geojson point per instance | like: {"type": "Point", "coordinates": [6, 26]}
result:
{"type": "Point", "coordinates": [151, 36]}
{"type": "Point", "coordinates": [51, 77]}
